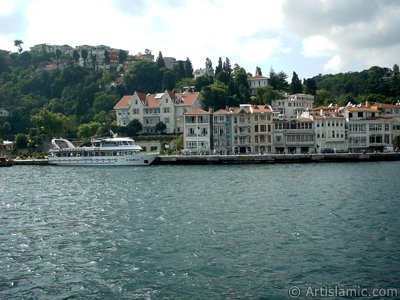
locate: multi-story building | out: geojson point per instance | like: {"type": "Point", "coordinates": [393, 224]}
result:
{"type": "Point", "coordinates": [294, 135]}
{"type": "Point", "coordinates": [330, 129]}
{"type": "Point", "coordinates": [372, 127]}
{"type": "Point", "coordinates": [256, 82]}
{"type": "Point", "coordinates": [242, 130]}
{"type": "Point", "coordinates": [292, 106]}
{"type": "Point", "coordinates": [197, 131]}
{"type": "Point", "coordinates": [167, 107]}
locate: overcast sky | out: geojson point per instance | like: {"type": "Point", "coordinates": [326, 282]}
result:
{"type": "Point", "coordinates": [305, 36]}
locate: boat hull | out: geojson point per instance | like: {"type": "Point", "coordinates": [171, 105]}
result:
{"type": "Point", "coordinates": [125, 160]}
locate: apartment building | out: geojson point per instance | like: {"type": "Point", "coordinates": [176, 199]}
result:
{"type": "Point", "coordinates": [197, 131]}
{"type": "Point", "coordinates": [237, 130]}
{"type": "Point", "coordinates": [330, 129]}
{"type": "Point", "coordinates": [372, 126]}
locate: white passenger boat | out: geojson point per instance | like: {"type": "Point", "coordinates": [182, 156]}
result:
{"type": "Point", "coordinates": [112, 151]}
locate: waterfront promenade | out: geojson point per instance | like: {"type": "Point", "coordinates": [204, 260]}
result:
{"type": "Point", "coordinates": [254, 159]}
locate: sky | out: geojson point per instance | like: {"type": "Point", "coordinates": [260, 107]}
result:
{"type": "Point", "coordinates": [309, 37]}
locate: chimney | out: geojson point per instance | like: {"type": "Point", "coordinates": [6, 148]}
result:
{"type": "Point", "coordinates": [366, 103]}
{"type": "Point", "coordinates": [321, 112]}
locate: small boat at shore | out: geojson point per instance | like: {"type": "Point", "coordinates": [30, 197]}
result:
{"type": "Point", "coordinates": [5, 161]}
{"type": "Point", "coordinates": [111, 151]}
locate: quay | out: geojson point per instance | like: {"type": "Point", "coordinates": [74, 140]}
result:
{"type": "Point", "coordinates": [30, 162]}
{"type": "Point", "coordinates": [253, 159]}
{"type": "Point", "coordinates": [274, 158]}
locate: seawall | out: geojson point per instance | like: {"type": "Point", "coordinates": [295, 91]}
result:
{"type": "Point", "coordinates": [274, 158]}
{"type": "Point", "coordinates": [253, 159]}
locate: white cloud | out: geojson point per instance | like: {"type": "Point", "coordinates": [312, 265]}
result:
{"type": "Point", "coordinates": [334, 65]}
{"type": "Point", "coordinates": [290, 34]}
{"type": "Point", "coordinates": [318, 45]}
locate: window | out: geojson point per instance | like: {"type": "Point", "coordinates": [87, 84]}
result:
{"type": "Point", "coordinates": [135, 111]}
{"type": "Point", "coordinates": [166, 110]}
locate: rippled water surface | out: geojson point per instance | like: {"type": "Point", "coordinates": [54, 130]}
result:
{"type": "Point", "coordinates": [197, 232]}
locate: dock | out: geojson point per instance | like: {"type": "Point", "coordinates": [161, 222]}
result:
{"type": "Point", "coordinates": [251, 159]}
{"type": "Point", "coordinates": [274, 158]}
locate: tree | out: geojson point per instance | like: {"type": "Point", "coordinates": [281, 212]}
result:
{"type": "Point", "coordinates": [240, 84]}
{"type": "Point", "coordinates": [278, 81]}
{"type": "Point", "coordinates": [323, 97]}
{"type": "Point", "coordinates": [133, 128]}
{"type": "Point", "coordinates": [180, 70]}
{"type": "Point", "coordinates": [84, 55]}
{"type": "Point", "coordinates": [160, 127]}
{"type": "Point", "coordinates": [258, 71]}
{"type": "Point", "coordinates": [93, 58]}
{"type": "Point", "coordinates": [18, 43]}
{"type": "Point", "coordinates": [21, 141]}
{"type": "Point", "coordinates": [227, 66]}
{"type": "Point", "coordinates": [201, 82]}
{"type": "Point", "coordinates": [396, 141]}
{"type": "Point", "coordinates": [310, 86]}
{"type": "Point", "coordinates": [58, 56]}
{"type": "Point", "coordinates": [106, 57]}
{"type": "Point", "coordinates": [52, 124]}
{"type": "Point", "coordinates": [76, 56]}
{"type": "Point", "coordinates": [88, 130]}
{"type": "Point", "coordinates": [144, 77]}
{"type": "Point", "coordinates": [122, 56]}
{"type": "Point", "coordinates": [169, 80]}
{"type": "Point", "coordinates": [188, 68]}
{"type": "Point", "coordinates": [209, 68]}
{"type": "Point", "coordinates": [295, 85]}
{"type": "Point", "coordinates": [265, 95]}
{"type": "Point", "coordinates": [183, 83]}
{"type": "Point", "coordinates": [396, 69]}
{"type": "Point", "coordinates": [216, 95]}
{"type": "Point", "coordinates": [103, 102]}
{"type": "Point", "coordinates": [160, 61]}
{"type": "Point", "coordinates": [218, 68]}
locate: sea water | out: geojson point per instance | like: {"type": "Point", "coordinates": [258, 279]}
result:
{"type": "Point", "coordinates": [200, 232]}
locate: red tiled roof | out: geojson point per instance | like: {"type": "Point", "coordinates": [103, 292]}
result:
{"type": "Point", "coordinates": [305, 119]}
{"type": "Point", "coordinates": [150, 100]}
{"type": "Point", "coordinates": [124, 102]}
{"type": "Point", "coordinates": [188, 98]}
{"type": "Point", "coordinates": [362, 109]}
{"type": "Point", "coordinates": [142, 97]}
{"type": "Point", "coordinates": [328, 117]}
{"type": "Point", "coordinates": [197, 111]}
{"type": "Point", "coordinates": [256, 77]}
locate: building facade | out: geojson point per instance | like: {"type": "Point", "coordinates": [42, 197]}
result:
{"type": "Point", "coordinates": [197, 131]}
{"type": "Point", "coordinates": [150, 109]}
{"type": "Point", "coordinates": [256, 82]}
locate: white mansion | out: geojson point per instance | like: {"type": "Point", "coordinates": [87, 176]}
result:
{"type": "Point", "coordinates": [149, 109]}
